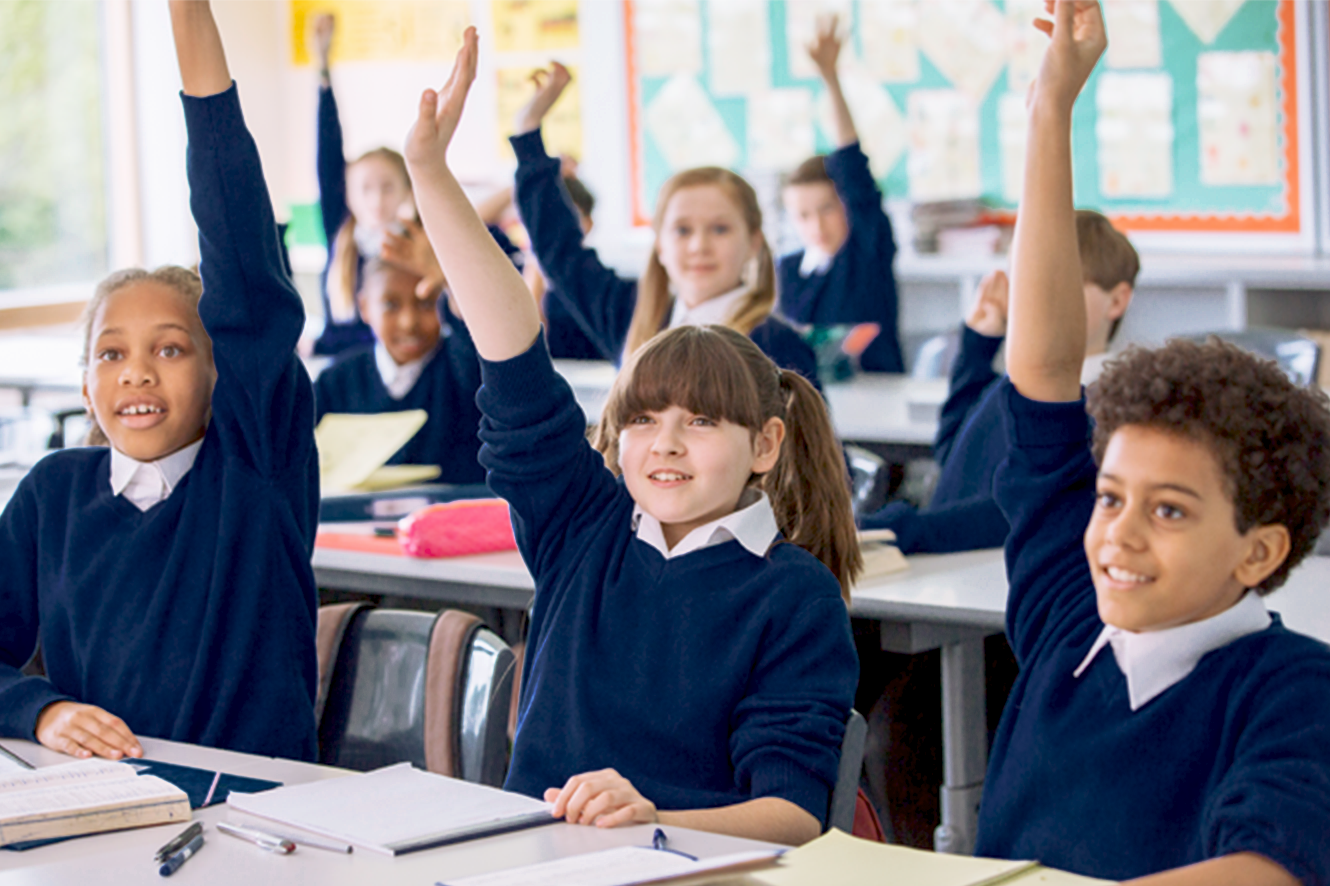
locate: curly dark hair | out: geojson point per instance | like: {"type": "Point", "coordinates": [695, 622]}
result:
{"type": "Point", "coordinates": [1270, 436]}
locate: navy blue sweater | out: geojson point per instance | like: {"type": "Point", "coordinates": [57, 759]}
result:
{"type": "Point", "coordinates": [860, 285]}
{"type": "Point", "coordinates": [599, 300]}
{"type": "Point", "coordinates": [446, 390]}
{"type": "Point", "coordinates": [1233, 758]}
{"type": "Point", "coordinates": [194, 620]}
{"type": "Point", "coordinates": [970, 444]}
{"type": "Point", "coordinates": [706, 680]}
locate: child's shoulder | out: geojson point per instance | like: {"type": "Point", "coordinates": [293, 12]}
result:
{"type": "Point", "coordinates": [791, 570]}
{"type": "Point", "coordinates": [70, 462]}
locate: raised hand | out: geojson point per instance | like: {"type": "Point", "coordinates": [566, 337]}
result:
{"type": "Point", "coordinates": [320, 39]}
{"type": "Point", "coordinates": [825, 48]}
{"type": "Point", "coordinates": [604, 798]}
{"type": "Point", "coordinates": [1078, 40]}
{"type": "Point", "coordinates": [549, 86]}
{"type": "Point", "coordinates": [427, 142]}
{"type": "Point", "coordinates": [989, 314]}
{"type": "Point", "coordinates": [82, 730]}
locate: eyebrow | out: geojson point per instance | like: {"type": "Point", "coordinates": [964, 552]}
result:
{"type": "Point", "coordinates": [1174, 487]}
{"type": "Point", "coordinates": [116, 330]}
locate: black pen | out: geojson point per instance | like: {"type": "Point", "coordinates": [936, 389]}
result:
{"type": "Point", "coordinates": [178, 842]}
{"type": "Point", "coordinates": [172, 864]}
{"type": "Point", "coordinates": [659, 841]}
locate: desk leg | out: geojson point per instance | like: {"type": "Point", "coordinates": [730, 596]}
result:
{"type": "Point", "coordinates": [964, 745]}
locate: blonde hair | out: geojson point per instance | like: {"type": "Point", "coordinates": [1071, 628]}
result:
{"type": "Point", "coordinates": [344, 266]}
{"type": "Point", "coordinates": [182, 280]}
{"type": "Point", "coordinates": [718, 372]}
{"type": "Point", "coordinates": [653, 291]}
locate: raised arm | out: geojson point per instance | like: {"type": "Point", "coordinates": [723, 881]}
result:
{"type": "Point", "coordinates": [1046, 329]}
{"type": "Point", "coordinates": [330, 154]}
{"type": "Point", "coordinates": [825, 53]}
{"type": "Point", "coordinates": [203, 69]}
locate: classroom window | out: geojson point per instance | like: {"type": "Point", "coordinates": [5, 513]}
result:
{"type": "Point", "coordinates": [53, 225]}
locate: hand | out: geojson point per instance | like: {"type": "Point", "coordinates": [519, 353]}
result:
{"type": "Point", "coordinates": [825, 49]}
{"type": "Point", "coordinates": [82, 730]}
{"type": "Point", "coordinates": [1078, 39]}
{"type": "Point", "coordinates": [320, 39]}
{"type": "Point", "coordinates": [411, 249]}
{"type": "Point", "coordinates": [605, 799]}
{"type": "Point", "coordinates": [549, 86]}
{"type": "Point", "coordinates": [989, 314]}
{"type": "Point", "coordinates": [427, 142]}
{"type": "Point", "coordinates": [567, 165]}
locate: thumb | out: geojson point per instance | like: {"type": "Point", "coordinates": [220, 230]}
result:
{"type": "Point", "coordinates": [429, 100]}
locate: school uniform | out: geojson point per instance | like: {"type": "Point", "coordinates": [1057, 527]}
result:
{"type": "Point", "coordinates": [178, 595]}
{"type": "Point", "coordinates": [718, 672]}
{"type": "Point", "coordinates": [599, 300]}
{"type": "Point", "coordinates": [443, 383]}
{"type": "Point", "coordinates": [962, 514]}
{"type": "Point", "coordinates": [857, 284]}
{"type": "Point", "coordinates": [1122, 754]}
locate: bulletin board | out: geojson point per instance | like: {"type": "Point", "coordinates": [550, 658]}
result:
{"type": "Point", "coordinates": [1192, 123]}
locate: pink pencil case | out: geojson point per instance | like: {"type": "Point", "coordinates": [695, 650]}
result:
{"type": "Point", "coordinates": [458, 528]}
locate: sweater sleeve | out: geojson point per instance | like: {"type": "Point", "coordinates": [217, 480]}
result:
{"type": "Point", "coordinates": [967, 525]}
{"type": "Point", "coordinates": [788, 729]}
{"type": "Point", "coordinates": [535, 451]}
{"type": "Point", "coordinates": [870, 227]}
{"type": "Point", "coordinates": [263, 402]}
{"type": "Point", "coordinates": [599, 301]}
{"type": "Point", "coordinates": [970, 377]}
{"type": "Point", "coordinates": [21, 698]}
{"type": "Point", "coordinates": [1046, 489]}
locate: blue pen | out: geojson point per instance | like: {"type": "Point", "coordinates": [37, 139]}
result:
{"type": "Point", "coordinates": [172, 864]}
{"type": "Point", "coordinates": [661, 842]}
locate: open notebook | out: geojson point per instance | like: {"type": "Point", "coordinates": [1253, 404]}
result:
{"type": "Point", "coordinates": [353, 450]}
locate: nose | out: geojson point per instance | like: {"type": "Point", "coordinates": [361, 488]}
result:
{"type": "Point", "coordinates": [136, 372]}
{"type": "Point", "coordinates": [667, 441]}
{"type": "Point", "coordinates": [408, 319]}
{"type": "Point", "coordinates": [1125, 529]}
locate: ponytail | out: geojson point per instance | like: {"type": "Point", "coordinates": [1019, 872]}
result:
{"type": "Point", "coordinates": [342, 273]}
{"type": "Point", "coordinates": [809, 486]}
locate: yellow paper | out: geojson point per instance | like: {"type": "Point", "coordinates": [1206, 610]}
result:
{"type": "Point", "coordinates": [353, 447]}
{"type": "Point", "coordinates": [395, 476]}
{"type": "Point", "coordinates": [383, 30]}
{"type": "Point", "coordinates": [562, 126]}
{"type": "Point", "coordinates": [534, 25]}
{"type": "Point", "coordinates": [836, 857]}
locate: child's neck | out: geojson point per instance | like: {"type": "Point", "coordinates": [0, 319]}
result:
{"type": "Point", "coordinates": [692, 297]}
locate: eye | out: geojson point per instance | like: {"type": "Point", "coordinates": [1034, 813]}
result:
{"type": "Point", "coordinates": [1166, 511]}
{"type": "Point", "coordinates": [682, 230]}
{"type": "Point", "coordinates": [172, 351]}
{"type": "Point", "coordinates": [108, 354]}
{"type": "Point", "coordinates": [1106, 500]}
{"type": "Point", "coordinates": [720, 230]}
{"type": "Point", "coordinates": [703, 422]}
{"type": "Point", "coordinates": [640, 420]}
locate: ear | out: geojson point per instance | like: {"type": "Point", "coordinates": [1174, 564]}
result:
{"type": "Point", "coordinates": [766, 445]}
{"type": "Point", "coordinates": [755, 242]}
{"type": "Point", "coordinates": [1267, 549]}
{"type": "Point", "coordinates": [1119, 297]}
{"type": "Point", "coordinates": [87, 399]}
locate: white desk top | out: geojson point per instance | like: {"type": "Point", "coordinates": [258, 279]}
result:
{"type": "Point", "coordinates": [125, 857]}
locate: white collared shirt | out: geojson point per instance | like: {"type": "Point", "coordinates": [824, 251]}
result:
{"type": "Point", "coordinates": [399, 380]}
{"type": "Point", "coordinates": [815, 261]}
{"type": "Point", "coordinates": [146, 483]}
{"type": "Point", "coordinates": [712, 312]}
{"type": "Point", "coordinates": [753, 525]}
{"type": "Point", "coordinates": [1153, 661]}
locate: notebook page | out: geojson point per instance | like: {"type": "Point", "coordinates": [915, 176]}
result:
{"type": "Point", "coordinates": [72, 774]}
{"type": "Point", "coordinates": [623, 866]}
{"type": "Point", "coordinates": [86, 796]}
{"type": "Point", "coordinates": [11, 764]}
{"type": "Point", "coordinates": [389, 806]}
{"type": "Point", "coordinates": [836, 857]}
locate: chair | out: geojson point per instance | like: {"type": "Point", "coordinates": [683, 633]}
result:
{"type": "Point", "coordinates": [846, 793]}
{"type": "Point", "coordinates": [931, 354]}
{"type": "Point", "coordinates": [401, 686]}
{"type": "Point", "coordinates": [1298, 356]}
{"type": "Point", "coordinates": [869, 476]}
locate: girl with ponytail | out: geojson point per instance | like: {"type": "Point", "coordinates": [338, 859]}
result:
{"type": "Point", "coordinates": [690, 660]}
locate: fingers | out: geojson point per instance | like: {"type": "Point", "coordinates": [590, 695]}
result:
{"type": "Point", "coordinates": [592, 796]}
{"type": "Point", "coordinates": [84, 730]}
{"type": "Point", "coordinates": [452, 98]}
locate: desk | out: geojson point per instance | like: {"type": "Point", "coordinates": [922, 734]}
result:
{"type": "Point", "coordinates": [123, 857]}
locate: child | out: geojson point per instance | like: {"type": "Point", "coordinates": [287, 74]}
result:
{"type": "Point", "coordinates": [962, 515]}
{"type": "Point", "coordinates": [709, 252]}
{"type": "Point", "coordinates": [844, 272]}
{"type": "Point", "coordinates": [1196, 747]}
{"type": "Point", "coordinates": [670, 638]}
{"type": "Point", "coordinates": [168, 578]}
{"type": "Point", "coordinates": [411, 366]}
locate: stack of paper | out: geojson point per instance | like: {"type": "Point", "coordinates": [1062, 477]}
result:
{"type": "Point", "coordinates": [836, 857]}
{"type": "Point", "coordinates": [353, 450]}
{"type": "Point", "coordinates": [881, 557]}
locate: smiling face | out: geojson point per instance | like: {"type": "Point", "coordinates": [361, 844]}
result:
{"type": "Point", "coordinates": [818, 215]}
{"type": "Point", "coordinates": [687, 470]}
{"type": "Point", "coordinates": [376, 191]}
{"type": "Point", "coordinates": [150, 372]}
{"type": "Point", "coordinates": [704, 243]}
{"type": "Point", "coordinates": [407, 324]}
{"type": "Point", "coordinates": [1163, 544]}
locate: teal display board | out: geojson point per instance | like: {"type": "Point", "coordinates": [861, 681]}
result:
{"type": "Point", "coordinates": [1189, 124]}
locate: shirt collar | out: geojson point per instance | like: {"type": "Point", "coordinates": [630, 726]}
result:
{"type": "Point", "coordinates": [399, 379]}
{"type": "Point", "coordinates": [714, 311]}
{"type": "Point", "coordinates": [145, 483]}
{"type": "Point", "coordinates": [753, 525]}
{"type": "Point", "coordinates": [815, 261]}
{"type": "Point", "coordinates": [1153, 661]}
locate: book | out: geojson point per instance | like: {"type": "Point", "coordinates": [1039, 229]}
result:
{"type": "Point", "coordinates": [624, 866]}
{"type": "Point", "coordinates": [881, 557]}
{"type": "Point", "coordinates": [396, 809]}
{"type": "Point", "coordinates": [354, 450]}
{"type": "Point", "coordinates": [85, 797]}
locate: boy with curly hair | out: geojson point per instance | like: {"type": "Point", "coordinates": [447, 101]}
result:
{"type": "Point", "coordinates": [1165, 725]}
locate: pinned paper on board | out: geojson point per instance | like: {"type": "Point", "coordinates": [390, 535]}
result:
{"type": "Point", "coordinates": [667, 37]}
{"type": "Point", "coordinates": [687, 128]}
{"type": "Point", "coordinates": [1236, 118]}
{"type": "Point", "coordinates": [780, 129]}
{"type": "Point", "coordinates": [534, 25]}
{"type": "Point", "coordinates": [888, 30]}
{"type": "Point", "coordinates": [1135, 134]}
{"type": "Point", "coordinates": [383, 30]}
{"type": "Point", "coordinates": [1133, 34]}
{"type": "Point", "coordinates": [1207, 18]}
{"type": "Point", "coordinates": [739, 47]}
{"type": "Point", "coordinates": [562, 127]}
{"type": "Point", "coordinates": [1025, 43]}
{"type": "Point", "coordinates": [966, 41]}
{"type": "Point", "coordinates": [352, 448]}
{"type": "Point", "coordinates": [801, 21]}
{"type": "Point", "coordinates": [943, 162]}
{"type": "Point", "coordinates": [877, 119]}
{"type": "Point", "coordinates": [1013, 132]}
